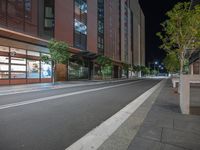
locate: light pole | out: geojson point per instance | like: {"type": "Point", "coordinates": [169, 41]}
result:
{"type": "Point", "coordinates": [155, 63]}
{"type": "Point", "coordinates": [159, 67]}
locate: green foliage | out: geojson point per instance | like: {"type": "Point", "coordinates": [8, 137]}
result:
{"type": "Point", "coordinates": [46, 59]}
{"type": "Point", "coordinates": [58, 54]}
{"type": "Point", "coordinates": [154, 72]}
{"type": "Point", "coordinates": [105, 64]}
{"type": "Point", "coordinates": [104, 61]}
{"type": "Point", "coordinates": [145, 70]}
{"type": "Point", "coordinates": [58, 51]}
{"type": "Point", "coordinates": [137, 68]}
{"type": "Point", "coordinates": [171, 62]}
{"type": "Point", "coordinates": [107, 71]}
{"type": "Point", "coordinates": [181, 31]}
{"type": "Point", "coordinates": [126, 66]}
{"type": "Point", "coordinates": [186, 66]}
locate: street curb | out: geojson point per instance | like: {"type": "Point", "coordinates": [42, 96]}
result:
{"type": "Point", "coordinates": [125, 134]}
{"type": "Point", "coordinates": [96, 137]}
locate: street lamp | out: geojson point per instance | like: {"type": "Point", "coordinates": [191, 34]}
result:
{"type": "Point", "coordinates": [155, 63]}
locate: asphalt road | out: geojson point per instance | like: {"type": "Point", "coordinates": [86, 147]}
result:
{"type": "Point", "coordinates": [54, 123]}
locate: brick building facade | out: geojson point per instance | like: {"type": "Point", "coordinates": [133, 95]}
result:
{"type": "Point", "coordinates": [90, 28]}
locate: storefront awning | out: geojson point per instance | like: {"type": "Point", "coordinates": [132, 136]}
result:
{"type": "Point", "coordinates": [86, 55]}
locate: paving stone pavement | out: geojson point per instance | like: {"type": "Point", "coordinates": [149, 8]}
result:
{"type": "Point", "coordinates": [165, 128]}
{"type": "Point", "coordinates": [123, 136]}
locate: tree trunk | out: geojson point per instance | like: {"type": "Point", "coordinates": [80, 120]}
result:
{"type": "Point", "coordinates": [54, 73]}
{"type": "Point", "coordinates": [181, 66]}
{"type": "Point", "coordinates": [127, 73]}
{"type": "Point", "coordinates": [181, 63]}
{"type": "Point", "coordinates": [102, 72]}
{"type": "Point", "coordinates": [181, 70]}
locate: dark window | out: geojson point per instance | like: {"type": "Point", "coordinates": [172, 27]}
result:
{"type": "Point", "coordinates": [80, 40]}
{"type": "Point", "coordinates": [15, 14]}
{"type": "Point", "coordinates": [100, 42]}
{"type": "Point", "coordinates": [3, 13]}
{"type": "Point", "coordinates": [27, 8]}
{"type": "Point", "coordinates": [48, 14]}
{"type": "Point", "coordinates": [80, 24]}
{"type": "Point", "coordinates": [126, 32]}
{"type": "Point", "coordinates": [132, 37]}
{"type": "Point", "coordinates": [19, 15]}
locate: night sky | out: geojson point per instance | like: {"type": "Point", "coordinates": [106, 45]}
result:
{"type": "Point", "coordinates": [154, 12]}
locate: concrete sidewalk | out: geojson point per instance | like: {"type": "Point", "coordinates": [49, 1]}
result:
{"type": "Point", "coordinates": [165, 128]}
{"type": "Point", "coordinates": [158, 125]}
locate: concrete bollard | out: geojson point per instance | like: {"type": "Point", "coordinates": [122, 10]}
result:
{"type": "Point", "coordinates": [185, 81]}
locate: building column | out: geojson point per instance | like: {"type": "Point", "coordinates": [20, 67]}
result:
{"type": "Point", "coordinates": [61, 72]}
{"type": "Point", "coordinates": [191, 69]}
{"type": "Point", "coordinates": [199, 65]}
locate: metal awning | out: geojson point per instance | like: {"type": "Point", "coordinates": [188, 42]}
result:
{"type": "Point", "coordinates": [86, 55]}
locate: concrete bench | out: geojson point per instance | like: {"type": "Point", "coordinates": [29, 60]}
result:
{"type": "Point", "coordinates": [175, 81]}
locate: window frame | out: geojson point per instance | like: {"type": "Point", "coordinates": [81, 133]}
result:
{"type": "Point", "coordinates": [100, 26]}
{"type": "Point", "coordinates": [82, 38]}
{"type": "Point", "coordinates": [49, 18]}
{"type": "Point", "coordinates": [22, 55]}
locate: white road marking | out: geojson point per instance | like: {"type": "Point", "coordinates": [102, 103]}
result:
{"type": "Point", "coordinates": [60, 96]}
{"type": "Point", "coordinates": [95, 138]}
{"type": "Point", "coordinates": [53, 87]}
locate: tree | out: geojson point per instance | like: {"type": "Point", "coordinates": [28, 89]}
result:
{"type": "Point", "coordinates": [136, 68]}
{"type": "Point", "coordinates": [171, 62]}
{"type": "Point", "coordinates": [145, 70]}
{"type": "Point", "coordinates": [181, 31]}
{"type": "Point", "coordinates": [105, 64]}
{"type": "Point", "coordinates": [58, 54]}
{"type": "Point", "coordinates": [126, 67]}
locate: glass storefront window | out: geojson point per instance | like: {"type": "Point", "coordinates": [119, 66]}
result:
{"type": "Point", "coordinates": [4, 67]}
{"type": "Point", "coordinates": [18, 68]}
{"type": "Point", "coordinates": [46, 70]}
{"type": "Point", "coordinates": [17, 75]}
{"type": "Point", "coordinates": [4, 49]}
{"type": "Point", "coordinates": [78, 71]}
{"type": "Point", "coordinates": [23, 64]}
{"type": "Point", "coordinates": [4, 75]}
{"type": "Point", "coordinates": [4, 59]}
{"type": "Point", "coordinates": [15, 60]}
{"type": "Point", "coordinates": [17, 51]}
{"type": "Point", "coordinates": [33, 69]}
{"type": "Point", "coordinates": [32, 53]}
{"type": "Point", "coordinates": [45, 54]}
